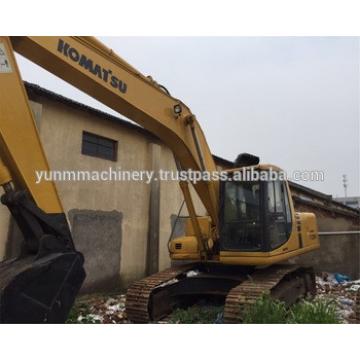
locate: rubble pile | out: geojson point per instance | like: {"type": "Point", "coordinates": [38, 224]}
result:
{"type": "Point", "coordinates": [344, 292]}
{"type": "Point", "coordinates": [102, 310]}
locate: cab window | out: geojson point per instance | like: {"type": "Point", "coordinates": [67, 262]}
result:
{"type": "Point", "coordinates": [279, 215]}
{"type": "Point", "coordinates": [242, 225]}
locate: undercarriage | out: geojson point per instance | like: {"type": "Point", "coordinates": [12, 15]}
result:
{"type": "Point", "coordinates": [153, 298]}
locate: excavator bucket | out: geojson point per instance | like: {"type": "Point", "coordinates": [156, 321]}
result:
{"type": "Point", "coordinates": [38, 290]}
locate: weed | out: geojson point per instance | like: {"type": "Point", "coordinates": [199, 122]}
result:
{"type": "Point", "coordinates": [319, 311]}
{"type": "Point", "coordinates": [266, 311]}
{"type": "Point", "coordinates": [196, 315]}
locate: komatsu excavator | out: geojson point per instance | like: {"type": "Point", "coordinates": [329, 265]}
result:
{"type": "Point", "coordinates": [233, 252]}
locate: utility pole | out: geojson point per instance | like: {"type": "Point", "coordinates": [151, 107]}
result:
{"type": "Point", "coordinates": [345, 184]}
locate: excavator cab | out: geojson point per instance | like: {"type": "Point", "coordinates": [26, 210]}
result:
{"type": "Point", "coordinates": [258, 224]}
{"type": "Point", "coordinates": [255, 216]}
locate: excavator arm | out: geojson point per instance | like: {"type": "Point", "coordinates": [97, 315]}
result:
{"type": "Point", "coordinates": [41, 284]}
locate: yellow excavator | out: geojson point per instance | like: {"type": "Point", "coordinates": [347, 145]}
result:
{"type": "Point", "coordinates": [233, 252]}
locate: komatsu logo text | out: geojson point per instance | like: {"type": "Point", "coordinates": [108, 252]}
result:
{"type": "Point", "coordinates": [88, 64]}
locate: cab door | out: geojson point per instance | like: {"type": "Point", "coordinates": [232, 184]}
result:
{"type": "Point", "coordinates": [278, 214]}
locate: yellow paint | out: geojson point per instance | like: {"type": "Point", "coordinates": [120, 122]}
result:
{"type": "Point", "coordinates": [20, 146]}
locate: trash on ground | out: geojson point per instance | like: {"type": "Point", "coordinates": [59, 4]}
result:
{"type": "Point", "coordinates": [343, 292]}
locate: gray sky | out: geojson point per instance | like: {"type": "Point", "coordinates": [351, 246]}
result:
{"type": "Point", "coordinates": [292, 101]}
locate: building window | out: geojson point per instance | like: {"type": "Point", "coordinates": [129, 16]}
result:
{"type": "Point", "coordinates": [99, 146]}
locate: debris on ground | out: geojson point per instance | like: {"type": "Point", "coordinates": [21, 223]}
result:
{"type": "Point", "coordinates": [341, 278]}
{"type": "Point", "coordinates": [99, 309]}
{"type": "Point", "coordinates": [343, 291]}
{"type": "Point", "coordinates": [110, 308]}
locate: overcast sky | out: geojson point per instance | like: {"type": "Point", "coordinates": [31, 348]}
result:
{"type": "Point", "coordinates": [292, 101]}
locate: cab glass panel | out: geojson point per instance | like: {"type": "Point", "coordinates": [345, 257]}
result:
{"type": "Point", "coordinates": [254, 215]}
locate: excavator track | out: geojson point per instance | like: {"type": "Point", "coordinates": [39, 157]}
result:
{"type": "Point", "coordinates": [284, 282]}
{"type": "Point", "coordinates": [152, 298]}
{"type": "Point", "coordinates": [139, 294]}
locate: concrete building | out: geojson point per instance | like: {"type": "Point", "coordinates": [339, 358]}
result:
{"type": "Point", "coordinates": [123, 227]}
